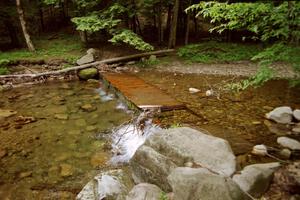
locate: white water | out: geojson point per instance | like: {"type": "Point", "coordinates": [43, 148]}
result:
{"type": "Point", "coordinates": [105, 96]}
{"type": "Point", "coordinates": [128, 138]}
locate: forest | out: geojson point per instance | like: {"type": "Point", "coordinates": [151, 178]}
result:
{"type": "Point", "coordinates": [149, 99]}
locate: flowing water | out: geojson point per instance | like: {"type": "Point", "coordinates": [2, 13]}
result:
{"type": "Point", "coordinates": [55, 142]}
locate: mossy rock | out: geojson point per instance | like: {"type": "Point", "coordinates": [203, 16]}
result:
{"type": "Point", "coordinates": [89, 73]}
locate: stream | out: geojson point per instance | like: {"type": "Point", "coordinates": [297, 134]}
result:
{"type": "Point", "coordinates": [55, 140]}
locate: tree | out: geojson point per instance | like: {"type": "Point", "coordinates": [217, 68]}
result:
{"type": "Point", "coordinates": [173, 31]}
{"type": "Point", "coordinates": [278, 24]}
{"type": "Point", "coordinates": [23, 25]}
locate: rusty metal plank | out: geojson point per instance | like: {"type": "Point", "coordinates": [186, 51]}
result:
{"type": "Point", "coordinates": [142, 94]}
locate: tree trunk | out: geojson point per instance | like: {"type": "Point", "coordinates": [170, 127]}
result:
{"type": "Point", "coordinates": [160, 28]}
{"type": "Point", "coordinates": [23, 25]}
{"type": "Point", "coordinates": [169, 20]}
{"type": "Point", "coordinates": [187, 30]}
{"type": "Point", "coordinates": [172, 39]}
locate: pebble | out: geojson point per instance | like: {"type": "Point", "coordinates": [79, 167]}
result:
{"type": "Point", "coordinates": [296, 129]}
{"type": "Point", "coordinates": [260, 150]}
{"type": "Point", "coordinates": [193, 90]}
{"type": "Point", "coordinates": [25, 174]}
{"type": "Point", "coordinates": [88, 107]}
{"type": "Point", "coordinates": [66, 170]}
{"type": "Point", "coordinates": [3, 153]}
{"type": "Point", "coordinates": [80, 122]}
{"type": "Point", "coordinates": [91, 128]}
{"type": "Point", "coordinates": [98, 159]}
{"type": "Point", "coordinates": [61, 116]}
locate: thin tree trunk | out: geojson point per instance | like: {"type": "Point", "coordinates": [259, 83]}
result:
{"type": "Point", "coordinates": [187, 30]}
{"type": "Point", "coordinates": [172, 39]}
{"type": "Point", "coordinates": [23, 25]}
{"type": "Point", "coordinates": [169, 20]}
{"type": "Point", "coordinates": [160, 29]}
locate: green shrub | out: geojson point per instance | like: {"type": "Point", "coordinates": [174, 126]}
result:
{"type": "Point", "coordinates": [215, 52]}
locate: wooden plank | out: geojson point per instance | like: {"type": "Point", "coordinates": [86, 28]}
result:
{"type": "Point", "coordinates": [142, 94]}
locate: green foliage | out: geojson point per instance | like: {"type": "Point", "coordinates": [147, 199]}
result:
{"type": "Point", "coordinates": [94, 23]}
{"type": "Point", "coordinates": [108, 19]}
{"type": "Point", "coordinates": [3, 66]}
{"type": "Point", "coordinates": [129, 37]}
{"type": "Point", "coordinates": [279, 52]}
{"type": "Point", "coordinates": [4, 71]}
{"type": "Point", "coordinates": [163, 196]}
{"type": "Point", "coordinates": [64, 47]}
{"type": "Point", "coordinates": [264, 19]}
{"type": "Point", "coordinates": [263, 75]}
{"type": "Point", "coordinates": [147, 63]}
{"type": "Point", "coordinates": [214, 52]}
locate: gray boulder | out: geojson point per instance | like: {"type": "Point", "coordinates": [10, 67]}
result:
{"type": "Point", "coordinates": [88, 73]}
{"type": "Point", "coordinates": [144, 191]}
{"type": "Point", "coordinates": [188, 145]}
{"type": "Point", "coordinates": [88, 58]}
{"type": "Point", "coordinates": [150, 166]}
{"type": "Point", "coordinates": [110, 185]}
{"type": "Point", "coordinates": [199, 183]}
{"type": "Point", "coordinates": [281, 115]}
{"type": "Point", "coordinates": [255, 179]}
{"type": "Point", "coordinates": [296, 114]}
{"type": "Point", "coordinates": [289, 143]}
{"type": "Point", "coordinates": [91, 51]}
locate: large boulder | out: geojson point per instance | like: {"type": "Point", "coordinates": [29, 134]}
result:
{"type": "Point", "coordinates": [282, 115]}
{"type": "Point", "coordinates": [88, 73]}
{"type": "Point", "coordinates": [88, 58]}
{"type": "Point", "coordinates": [255, 179]}
{"type": "Point", "coordinates": [150, 166]}
{"type": "Point", "coordinates": [185, 144]}
{"type": "Point", "coordinates": [289, 143]}
{"type": "Point", "coordinates": [178, 147]}
{"type": "Point", "coordinates": [144, 191]}
{"type": "Point", "coordinates": [110, 185]}
{"type": "Point", "coordinates": [199, 183]}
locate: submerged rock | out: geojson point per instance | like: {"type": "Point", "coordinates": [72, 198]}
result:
{"type": "Point", "coordinates": [144, 191]}
{"type": "Point", "coordinates": [7, 113]}
{"type": "Point", "coordinates": [199, 183]}
{"type": "Point", "coordinates": [285, 153]}
{"type": "Point", "coordinates": [289, 143]}
{"type": "Point", "coordinates": [61, 116]}
{"type": "Point", "coordinates": [88, 107]}
{"type": "Point", "coordinates": [98, 159]}
{"type": "Point", "coordinates": [3, 153]}
{"type": "Point", "coordinates": [281, 115]}
{"type": "Point", "coordinates": [255, 179]}
{"type": "Point", "coordinates": [66, 170]}
{"type": "Point", "coordinates": [88, 58]}
{"type": "Point", "coordinates": [88, 73]}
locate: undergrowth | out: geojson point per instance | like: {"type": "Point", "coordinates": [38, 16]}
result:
{"type": "Point", "coordinates": [61, 46]}
{"type": "Point", "coordinates": [216, 52]}
{"type": "Point", "coordinates": [3, 66]}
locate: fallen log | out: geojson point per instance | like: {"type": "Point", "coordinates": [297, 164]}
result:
{"type": "Point", "coordinates": [70, 69]}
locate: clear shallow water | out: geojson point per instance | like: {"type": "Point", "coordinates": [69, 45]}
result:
{"type": "Point", "coordinates": [236, 117]}
{"type": "Point", "coordinates": [54, 156]}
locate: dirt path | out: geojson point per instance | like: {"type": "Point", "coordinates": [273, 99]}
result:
{"type": "Point", "coordinates": [240, 68]}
